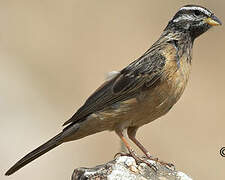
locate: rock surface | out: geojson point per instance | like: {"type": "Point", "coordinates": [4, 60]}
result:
{"type": "Point", "coordinates": [125, 168]}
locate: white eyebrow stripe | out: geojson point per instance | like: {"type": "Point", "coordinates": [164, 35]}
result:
{"type": "Point", "coordinates": [183, 17]}
{"type": "Point", "coordinates": [197, 8]}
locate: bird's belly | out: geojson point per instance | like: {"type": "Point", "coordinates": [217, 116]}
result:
{"type": "Point", "coordinates": [158, 102]}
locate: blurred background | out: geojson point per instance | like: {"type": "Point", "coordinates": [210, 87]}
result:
{"type": "Point", "coordinates": [54, 54]}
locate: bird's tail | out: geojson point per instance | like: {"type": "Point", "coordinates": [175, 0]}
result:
{"type": "Point", "coordinates": [52, 143]}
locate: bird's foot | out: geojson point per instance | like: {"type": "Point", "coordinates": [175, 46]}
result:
{"type": "Point", "coordinates": [170, 165]}
{"type": "Point", "coordinates": [142, 160]}
{"type": "Point", "coordinates": [137, 158]}
{"type": "Point", "coordinates": [149, 164]}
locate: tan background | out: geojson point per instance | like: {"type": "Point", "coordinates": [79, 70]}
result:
{"type": "Point", "coordinates": [54, 53]}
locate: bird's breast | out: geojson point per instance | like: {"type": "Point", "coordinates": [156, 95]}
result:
{"type": "Point", "coordinates": [176, 75]}
{"type": "Point", "coordinates": [159, 99]}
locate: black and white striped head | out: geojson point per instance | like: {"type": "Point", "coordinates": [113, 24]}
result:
{"type": "Point", "coordinates": [193, 19]}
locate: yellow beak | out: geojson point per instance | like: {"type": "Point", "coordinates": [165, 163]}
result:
{"type": "Point", "coordinates": [213, 21]}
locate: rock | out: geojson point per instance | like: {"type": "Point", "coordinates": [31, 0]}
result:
{"type": "Point", "coordinates": [126, 168]}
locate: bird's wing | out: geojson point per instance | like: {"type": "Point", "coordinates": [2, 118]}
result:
{"type": "Point", "coordinates": [141, 73]}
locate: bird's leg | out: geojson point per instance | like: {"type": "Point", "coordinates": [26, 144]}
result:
{"type": "Point", "coordinates": [131, 132]}
{"type": "Point", "coordinates": [130, 150]}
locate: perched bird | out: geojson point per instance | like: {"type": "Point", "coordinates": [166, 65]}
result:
{"type": "Point", "coordinates": [141, 92]}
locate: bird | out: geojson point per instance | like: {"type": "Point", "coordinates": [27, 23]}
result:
{"type": "Point", "coordinates": [140, 93]}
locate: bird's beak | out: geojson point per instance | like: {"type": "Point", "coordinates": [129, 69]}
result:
{"type": "Point", "coordinates": [213, 21]}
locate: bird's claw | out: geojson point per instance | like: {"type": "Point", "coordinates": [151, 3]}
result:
{"type": "Point", "coordinates": [170, 165]}
{"type": "Point", "coordinates": [137, 159]}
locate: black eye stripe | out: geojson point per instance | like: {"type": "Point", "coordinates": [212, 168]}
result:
{"type": "Point", "coordinates": [197, 13]}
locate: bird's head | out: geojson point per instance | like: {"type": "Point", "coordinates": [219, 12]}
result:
{"type": "Point", "coordinates": [193, 19]}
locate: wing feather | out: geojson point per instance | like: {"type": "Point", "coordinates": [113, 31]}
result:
{"type": "Point", "coordinates": [143, 72]}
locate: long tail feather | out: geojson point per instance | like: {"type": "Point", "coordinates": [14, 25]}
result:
{"type": "Point", "coordinates": [52, 143]}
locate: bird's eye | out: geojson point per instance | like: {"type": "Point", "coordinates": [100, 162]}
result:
{"type": "Point", "coordinates": [196, 12]}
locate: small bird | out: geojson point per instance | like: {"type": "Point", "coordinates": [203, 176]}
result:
{"type": "Point", "coordinates": [141, 92]}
